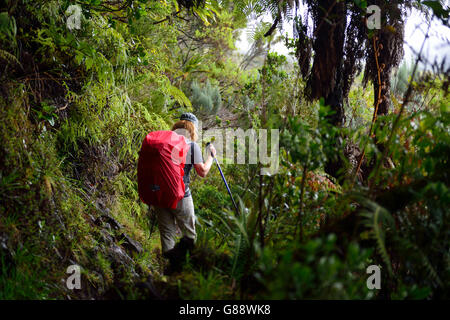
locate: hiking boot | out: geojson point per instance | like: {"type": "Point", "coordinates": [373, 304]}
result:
{"type": "Point", "coordinates": [171, 269]}
{"type": "Point", "coordinates": [177, 255]}
{"type": "Point", "coordinates": [186, 244]}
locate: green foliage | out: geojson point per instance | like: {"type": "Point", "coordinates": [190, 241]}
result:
{"type": "Point", "coordinates": [304, 144]}
{"type": "Point", "coordinates": [315, 270]}
{"type": "Point", "coordinates": [205, 287]}
{"type": "Point", "coordinates": [206, 99]}
{"type": "Point", "coordinates": [21, 282]}
{"type": "Point", "coordinates": [374, 220]}
{"type": "Point", "coordinates": [360, 105]}
{"type": "Point", "coordinates": [8, 29]}
{"type": "Point", "coordinates": [438, 10]}
{"type": "Point", "coordinates": [400, 79]}
{"type": "Point", "coordinates": [76, 104]}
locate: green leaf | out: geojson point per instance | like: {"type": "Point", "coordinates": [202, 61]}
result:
{"type": "Point", "coordinates": [179, 96]}
{"type": "Point", "coordinates": [89, 62]}
{"type": "Point", "coordinates": [438, 9]}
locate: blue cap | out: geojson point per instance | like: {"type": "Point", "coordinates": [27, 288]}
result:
{"type": "Point", "coordinates": [189, 117]}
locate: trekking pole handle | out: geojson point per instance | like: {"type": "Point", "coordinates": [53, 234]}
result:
{"type": "Point", "coordinates": [207, 145]}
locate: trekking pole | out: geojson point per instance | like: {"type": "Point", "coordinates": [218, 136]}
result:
{"type": "Point", "coordinates": [152, 221]}
{"type": "Point", "coordinates": [225, 181]}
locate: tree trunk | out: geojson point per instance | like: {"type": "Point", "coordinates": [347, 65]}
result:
{"type": "Point", "coordinates": [327, 72]}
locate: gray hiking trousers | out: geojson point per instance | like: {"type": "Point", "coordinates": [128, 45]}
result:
{"type": "Point", "coordinates": [168, 220]}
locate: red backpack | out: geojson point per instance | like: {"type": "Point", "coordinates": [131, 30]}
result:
{"type": "Point", "coordinates": [161, 169]}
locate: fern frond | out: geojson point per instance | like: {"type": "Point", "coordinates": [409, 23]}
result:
{"type": "Point", "coordinates": [379, 237]}
{"type": "Point", "coordinates": [376, 218]}
{"type": "Point", "coordinates": [423, 260]}
{"type": "Point", "coordinates": [8, 57]}
{"type": "Point", "coordinates": [257, 33]}
{"type": "Point", "coordinates": [237, 255]}
{"type": "Point", "coordinates": [179, 96]}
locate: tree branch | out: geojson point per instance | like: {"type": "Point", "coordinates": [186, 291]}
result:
{"type": "Point", "coordinates": [274, 25]}
{"type": "Point", "coordinates": [168, 17]}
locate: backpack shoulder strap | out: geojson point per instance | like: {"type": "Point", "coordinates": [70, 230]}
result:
{"type": "Point", "coordinates": [192, 153]}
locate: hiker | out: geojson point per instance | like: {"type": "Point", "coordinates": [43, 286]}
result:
{"type": "Point", "coordinates": [183, 215]}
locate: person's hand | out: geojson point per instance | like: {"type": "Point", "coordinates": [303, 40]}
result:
{"type": "Point", "coordinates": [212, 150]}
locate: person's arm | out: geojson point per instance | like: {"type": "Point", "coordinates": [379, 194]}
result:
{"type": "Point", "coordinates": [202, 169]}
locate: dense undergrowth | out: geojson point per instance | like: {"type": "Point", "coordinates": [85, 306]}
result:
{"type": "Point", "coordinates": [76, 104]}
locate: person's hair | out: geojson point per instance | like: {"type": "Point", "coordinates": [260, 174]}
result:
{"type": "Point", "coordinates": [186, 128]}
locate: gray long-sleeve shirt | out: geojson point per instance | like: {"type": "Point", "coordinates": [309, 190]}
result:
{"type": "Point", "coordinates": [191, 159]}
